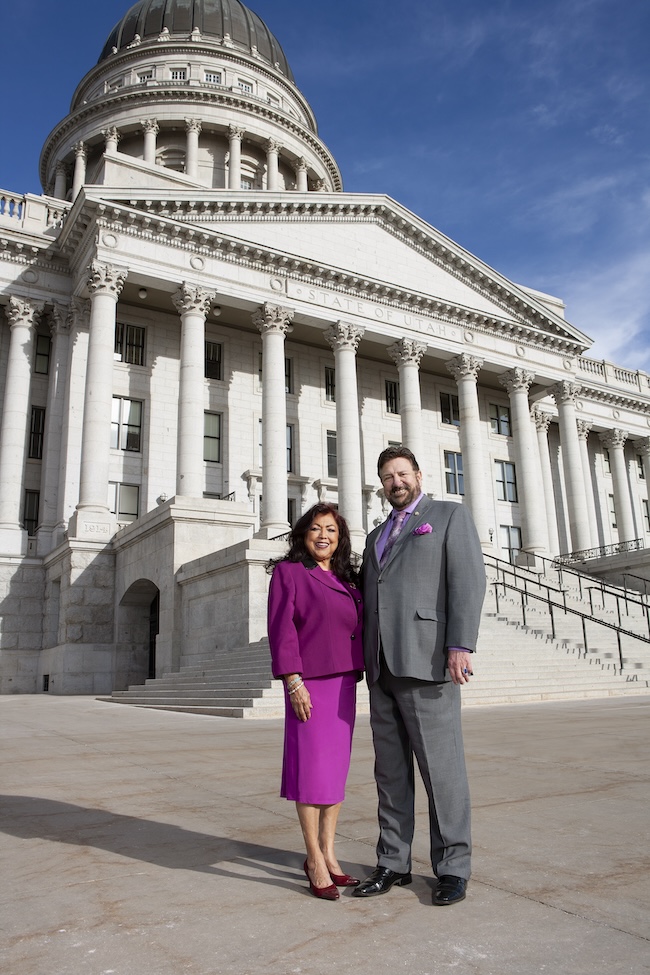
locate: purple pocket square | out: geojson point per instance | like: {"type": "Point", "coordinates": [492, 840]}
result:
{"type": "Point", "coordinates": [425, 529]}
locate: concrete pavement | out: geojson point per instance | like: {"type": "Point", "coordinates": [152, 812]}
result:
{"type": "Point", "coordinates": [137, 842]}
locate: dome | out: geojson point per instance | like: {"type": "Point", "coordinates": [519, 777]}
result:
{"type": "Point", "coordinates": [214, 19]}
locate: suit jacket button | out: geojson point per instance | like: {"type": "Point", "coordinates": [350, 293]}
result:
{"type": "Point", "coordinates": [352, 637]}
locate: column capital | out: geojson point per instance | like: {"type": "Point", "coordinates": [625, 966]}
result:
{"type": "Point", "coordinates": [106, 279]}
{"type": "Point", "coordinates": [62, 168]}
{"type": "Point", "coordinates": [235, 132]}
{"type": "Point", "coordinates": [272, 145]}
{"type": "Point", "coordinates": [584, 426]}
{"type": "Point", "coordinates": [613, 438]}
{"type": "Point", "coordinates": [565, 392]}
{"type": "Point", "coordinates": [643, 446]}
{"type": "Point", "coordinates": [273, 318]}
{"type": "Point", "coordinates": [61, 319]}
{"type": "Point", "coordinates": [301, 165]}
{"type": "Point", "coordinates": [193, 125]}
{"type": "Point", "coordinates": [516, 379]}
{"type": "Point", "coordinates": [22, 311]}
{"type": "Point", "coordinates": [541, 420]}
{"type": "Point", "coordinates": [344, 335]}
{"type": "Point", "coordinates": [190, 298]}
{"type": "Point", "coordinates": [80, 313]}
{"type": "Point", "coordinates": [80, 149]}
{"type": "Point", "coordinates": [112, 134]}
{"type": "Point", "coordinates": [406, 352]}
{"type": "Point", "coordinates": [150, 125]}
{"type": "Point", "coordinates": [464, 366]}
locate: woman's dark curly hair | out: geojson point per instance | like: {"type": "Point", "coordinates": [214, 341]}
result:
{"type": "Point", "coordinates": [344, 562]}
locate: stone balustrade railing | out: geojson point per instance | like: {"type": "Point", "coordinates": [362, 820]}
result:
{"type": "Point", "coordinates": [612, 375]}
{"type": "Point", "coordinates": [30, 213]}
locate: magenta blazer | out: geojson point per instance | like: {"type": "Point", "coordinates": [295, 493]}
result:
{"type": "Point", "coordinates": [314, 622]}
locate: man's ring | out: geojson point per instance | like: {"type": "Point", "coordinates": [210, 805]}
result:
{"type": "Point", "coordinates": [465, 670]}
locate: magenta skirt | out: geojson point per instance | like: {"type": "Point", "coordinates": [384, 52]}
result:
{"type": "Point", "coordinates": [317, 752]}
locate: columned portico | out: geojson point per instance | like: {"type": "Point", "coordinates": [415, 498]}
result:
{"type": "Point", "coordinates": [344, 339]}
{"type": "Point", "coordinates": [272, 167]}
{"type": "Point", "coordinates": [235, 134]}
{"type": "Point", "coordinates": [583, 434]}
{"type": "Point", "coordinates": [151, 128]}
{"type": "Point", "coordinates": [614, 441]}
{"type": "Point", "coordinates": [92, 518]}
{"type": "Point", "coordinates": [565, 394]}
{"type": "Point", "coordinates": [193, 127]}
{"type": "Point", "coordinates": [21, 315]}
{"type": "Point", "coordinates": [542, 422]}
{"type": "Point", "coordinates": [273, 322]}
{"type": "Point", "coordinates": [465, 369]}
{"type": "Point", "coordinates": [407, 355]}
{"type": "Point", "coordinates": [193, 305]}
{"type": "Point", "coordinates": [79, 175]}
{"type": "Point", "coordinates": [517, 381]}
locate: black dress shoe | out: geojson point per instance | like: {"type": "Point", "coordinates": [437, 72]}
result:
{"type": "Point", "coordinates": [381, 880]}
{"type": "Point", "coordinates": [449, 890]}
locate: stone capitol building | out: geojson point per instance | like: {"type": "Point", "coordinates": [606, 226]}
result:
{"type": "Point", "coordinates": [202, 334]}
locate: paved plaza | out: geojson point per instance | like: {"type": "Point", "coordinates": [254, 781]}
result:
{"type": "Point", "coordinates": [138, 842]}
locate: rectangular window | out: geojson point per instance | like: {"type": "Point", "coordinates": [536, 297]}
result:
{"type": "Point", "coordinates": [331, 454]}
{"type": "Point", "coordinates": [606, 463]}
{"type": "Point", "coordinates": [612, 511]}
{"type": "Point", "coordinates": [288, 375]}
{"type": "Point", "coordinates": [291, 511]}
{"type": "Point", "coordinates": [449, 409]}
{"type": "Point", "coordinates": [506, 481]}
{"type": "Point", "coordinates": [126, 424]}
{"type": "Point", "coordinates": [510, 542]}
{"type": "Point", "coordinates": [454, 473]}
{"type": "Point", "coordinates": [640, 468]}
{"type": "Point", "coordinates": [36, 432]}
{"type": "Point", "coordinates": [213, 77]}
{"type": "Point", "coordinates": [392, 396]}
{"type": "Point", "coordinates": [290, 448]}
{"type": "Point", "coordinates": [646, 515]}
{"type": "Point", "coordinates": [213, 360]}
{"type": "Point", "coordinates": [500, 419]}
{"type": "Point", "coordinates": [212, 437]}
{"type": "Point", "coordinates": [123, 500]}
{"type": "Point", "coordinates": [129, 344]}
{"type": "Point", "coordinates": [42, 360]}
{"type": "Point", "coordinates": [260, 452]}
{"type": "Point", "coordinates": [330, 384]}
{"type": "Point", "coordinates": [245, 184]}
{"type": "Point", "coordinates": [144, 76]}
{"type": "Point", "coordinates": [272, 100]}
{"type": "Point", "coordinates": [178, 74]}
{"type": "Point", "coordinates": [30, 516]}
{"type": "Point", "coordinates": [245, 86]}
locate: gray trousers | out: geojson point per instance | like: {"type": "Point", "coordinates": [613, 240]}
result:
{"type": "Point", "coordinates": [411, 718]}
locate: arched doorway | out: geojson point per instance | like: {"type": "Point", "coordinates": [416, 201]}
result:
{"type": "Point", "coordinates": [138, 625]}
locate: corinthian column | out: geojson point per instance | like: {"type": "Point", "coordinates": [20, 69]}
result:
{"type": "Point", "coordinates": [465, 369]}
{"type": "Point", "coordinates": [583, 433]}
{"type": "Point", "coordinates": [60, 181]}
{"type": "Point", "coordinates": [534, 536]}
{"type": "Point", "coordinates": [151, 129]}
{"type": "Point", "coordinates": [643, 447]}
{"type": "Point", "coordinates": [192, 304]}
{"type": "Point", "coordinates": [542, 422]}
{"type": "Point", "coordinates": [565, 394]}
{"type": "Point", "coordinates": [192, 151]}
{"type": "Point", "coordinates": [407, 354]}
{"type": "Point", "coordinates": [344, 340]}
{"type": "Point", "coordinates": [235, 135]}
{"type": "Point", "coordinates": [301, 176]}
{"type": "Point", "coordinates": [272, 171]}
{"type": "Point", "coordinates": [21, 316]}
{"type": "Point", "coordinates": [79, 175]}
{"type": "Point", "coordinates": [273, 322]}
{"type": "Point", "coordinates": [92, 518]}
{"type": "Point", "coordinates": [112, 138]}
{"type": "Point", "coordinates": [614, 440]}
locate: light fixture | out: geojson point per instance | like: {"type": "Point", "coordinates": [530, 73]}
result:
{"type": "Point", "coordinates": [216, 310]}
{"type": "Point", "coordinates": [142, 293]}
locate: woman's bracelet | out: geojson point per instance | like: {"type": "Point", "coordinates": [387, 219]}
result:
{"type": "Point", "coordinates": [297, 688]}
{"type": "Point", "coordinates": [295, 680]}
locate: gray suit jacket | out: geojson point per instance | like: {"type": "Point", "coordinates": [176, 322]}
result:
{"type": "Point", "coordinates": [428, 595]}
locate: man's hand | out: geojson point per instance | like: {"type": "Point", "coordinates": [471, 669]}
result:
{"type": "Point", "coordinates": [459, 665]}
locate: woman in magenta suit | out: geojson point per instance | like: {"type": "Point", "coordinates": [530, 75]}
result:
{"type": "Point", "coordinates": [314, 623]}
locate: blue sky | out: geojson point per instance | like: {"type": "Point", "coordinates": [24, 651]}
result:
{"type": "Point", "coordinates": [519, 128]}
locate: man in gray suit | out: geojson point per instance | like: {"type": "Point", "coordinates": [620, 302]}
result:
{"type": "Point", "coordinates": [423, 584]}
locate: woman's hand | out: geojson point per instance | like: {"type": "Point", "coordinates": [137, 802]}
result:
{"type": "Point", "coordinates": [301, 703]}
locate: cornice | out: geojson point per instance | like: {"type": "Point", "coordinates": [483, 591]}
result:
{"type": "Point", "coordinates": [614, 399]}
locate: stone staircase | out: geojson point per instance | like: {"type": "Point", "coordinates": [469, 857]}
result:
{"type": "Point", "coordinates": [516, 662]}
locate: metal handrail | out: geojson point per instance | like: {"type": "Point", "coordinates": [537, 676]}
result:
{"type": "Point", "coordinates": [567, 609]}
{"type": "Point", "coordinates": [634, 545]}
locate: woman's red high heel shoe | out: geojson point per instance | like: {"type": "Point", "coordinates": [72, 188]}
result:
{"type": "Point", "coordinates": [329, 893]}
{"type": "Point", "coordinates": [344, 880]}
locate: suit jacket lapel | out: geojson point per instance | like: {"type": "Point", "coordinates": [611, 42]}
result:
{"type": "Point", "coordinates": [419, 517]}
